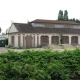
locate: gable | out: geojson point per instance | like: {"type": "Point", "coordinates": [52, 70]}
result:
{"type": "Point", "coordinates": [12, 29]}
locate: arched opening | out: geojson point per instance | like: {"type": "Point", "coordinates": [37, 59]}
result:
{"type": "Point", "coordinates": [44, 40]}
{"type": "Point", "coordinates": [65, 39]}
{"type": "Point", "coordinates": [29, 41]}
{"type": "Point", "coordinates": [74, 40]}
{"type": "Point", "coordinates": [55, 40]}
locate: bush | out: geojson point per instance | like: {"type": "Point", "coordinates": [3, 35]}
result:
{"type": "Point", "coordinates": [40, 65]}
{"type": "Point", "coordinates": [6, 41]}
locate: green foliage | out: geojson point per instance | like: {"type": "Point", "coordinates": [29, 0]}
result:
{"type": "Point", "coordinates": [40, 65]}
{"type": "Point", "coordinates": [61, 40]}
{"type": "Point", "coordinates": [66, 15]}
{"type": "Point", "coordinates": [77, 21]}
{"type": "Point", "coordinates": [73, 19]}
{"type": "Point", "coordinates": [6, 41]}
{"type": "Point", "coordinates": [60, 15]}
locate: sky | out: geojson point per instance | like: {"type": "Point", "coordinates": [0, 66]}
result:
{"type": "Point", "coordinates": [22, 11]}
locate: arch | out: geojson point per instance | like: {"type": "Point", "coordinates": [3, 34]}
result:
{"type": "Point", "coordinates": [44, 40]}
{"type": "Point", "coordinates": [65, 39]}
{"type": "Point", "coordinates": [74, 40]}
{"type": "Point", "coordinates": [55, 39]}
{"type": "Point", "coordinates": [29, 41]}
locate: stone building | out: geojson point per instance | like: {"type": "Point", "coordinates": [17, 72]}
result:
{"type": "Point", "coordinates": [43, 32]}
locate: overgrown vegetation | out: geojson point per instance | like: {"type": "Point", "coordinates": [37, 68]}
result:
{"type": "Point", "coordinates": [40, 65]}
{"type": "Point", "coordinates": [64, 16]}
{"type": "Point", "coordinates": [6, 41]}
{"type": "Point", "coordinates": [61, 38]}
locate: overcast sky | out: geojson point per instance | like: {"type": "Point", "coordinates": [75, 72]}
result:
{"type": "Point", "coordinates": [28, 10]}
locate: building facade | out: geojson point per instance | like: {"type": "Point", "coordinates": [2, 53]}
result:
{"type": "Point", "coordinates": [43, 33]}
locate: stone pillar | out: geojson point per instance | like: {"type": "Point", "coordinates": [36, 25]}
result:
{"type": "Point", "coordinates": [59, 40]}
{"type": "Point", "coordinates": [69, 39]}
{"type": "Point", "coordinates": [35, 40]}
{"type": "Point", "coordinates": [9, 39]}
{"type": "Point", "coordinates": [32, 40]}
{"type": "Point", "coordinates": [39, 40]}
{"type": "Point", "coordinates": [79, 40]}
{"type": "Point", "coordinates": [49, 39]}
{"type": "Point", "coordinates": [16, 40]}
{"type": "Point", "coordinates": [21, 40]}
{"type": "Point", "coordinates": [25, 36]}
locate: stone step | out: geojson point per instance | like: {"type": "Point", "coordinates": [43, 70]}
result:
{"type": "Point", "coordinates": [63, 46]}
{"type": "Point", "coordinates": [68, 46]}
{"type": "Point", "coordinates": [54, 46]}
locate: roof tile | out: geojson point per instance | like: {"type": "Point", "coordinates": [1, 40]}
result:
{"type": "Point", "coordinates": [28, 28]}
{"type": "Point", "coordinates": [55, 22]}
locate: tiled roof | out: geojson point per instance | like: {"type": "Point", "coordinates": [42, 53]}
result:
{"type": "Point", "coordinates": [55, 22]}
{"type": "Point", "coordinates": [28, 28]}
{"type": "Point", "coordinates": [24, 28]}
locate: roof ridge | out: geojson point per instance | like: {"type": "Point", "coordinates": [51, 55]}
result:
{"type": "Point", "coordinates": [18, 23]}
{"type": "Point", "coordinates": [55, 21]}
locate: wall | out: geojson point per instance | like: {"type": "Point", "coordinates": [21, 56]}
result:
{"type": "Point", "coordinates": [76, 26]}
{"type": "Point", "coordinates": [36, 38]}
{"type": "Point", "coordinates": [37, 24]}
{"type": "Point", "coordinates": [12, 29]}
{"type": "Point", "coordinates": [15, 39]}
{"type": "Point", "coordinates": [55, 25]}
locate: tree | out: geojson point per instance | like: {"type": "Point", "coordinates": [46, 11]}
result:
{"type": "Point", "coordinates": [74, 19]}
{"type": "Point", "coordinates": [60, 15]}
{"type": "Point", "coordinates": [78, 21]}
{"type": "Point", "coordinates": [0, 29]}
{"type": "Point", "coordinates": [66, 15]}
{"type": "Point", "coordinates": [61, 40]}
{"type": "Point", "coordinates": [70, 19]}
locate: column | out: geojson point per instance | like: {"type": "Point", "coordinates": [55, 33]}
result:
{"type": "Point", "coordinates": [25, 38]}
{"type": "Point", "coordinates": [32, 40]}
{"type": "Point", "coordinates": [39, 40]}
{"type": "Point", "coordinates": [69, 39]}
{"type": "Point", "coordinates": [79, 39]}
{"type": "Point", "coordinates": [59, 39]}
{"type": "Point", "coordinates": [21, 40]}
{"type": "Point", "coordinates": [16, 40]}
{"type": "Point", "coordinates": [49, 39]}
{"type": "Point", "coordinates": [9, 39]}
{"type": "Point", "coordinates": [35, 40]}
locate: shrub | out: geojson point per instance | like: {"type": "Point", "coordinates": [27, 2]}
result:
{"type": "Point", "coordinates": [40, 65]}
{"type": "Point", "coordinates": [6, 41]}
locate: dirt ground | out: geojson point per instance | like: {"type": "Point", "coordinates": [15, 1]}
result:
{"type": "Point", "coordinates": [3, 49]}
